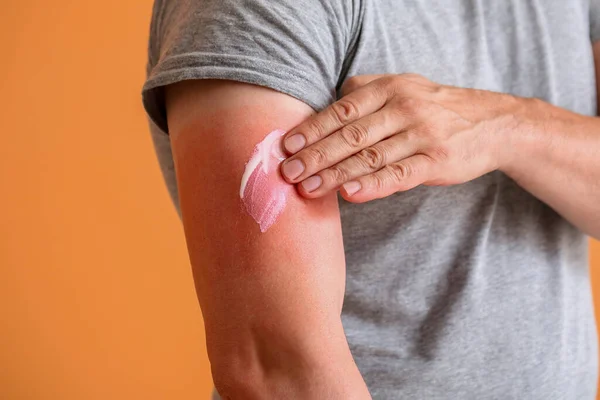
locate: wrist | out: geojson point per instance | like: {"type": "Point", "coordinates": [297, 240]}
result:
{"type": "Point", "coordinates": [521, 131]}
{"type": "Point", "coordinates": [541, 131]}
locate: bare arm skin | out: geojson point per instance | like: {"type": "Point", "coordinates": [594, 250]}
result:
{"type": "Point", "coordinates": [557, 159]}
{"type": "Point", "coordinates": [271, 301]}
{"type": "Point", "coordinates": [391, 133]}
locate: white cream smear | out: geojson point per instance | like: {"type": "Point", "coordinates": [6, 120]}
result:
{"type": "Point", "coordinates": [263, 191]}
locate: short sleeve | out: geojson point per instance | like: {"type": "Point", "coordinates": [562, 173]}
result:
{"type": "Point", "coordinates": [595, 20]}
{"type": "Point", "coordinates": [297, 47]}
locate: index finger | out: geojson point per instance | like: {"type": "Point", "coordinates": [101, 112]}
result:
{"type": "Point", "coordinates": [361, 102]}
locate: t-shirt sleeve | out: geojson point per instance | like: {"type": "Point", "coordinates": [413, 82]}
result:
{"type": "Point", "coordinates": [297, 47]}
{"type": "Point", "coordinates": [595, 20]}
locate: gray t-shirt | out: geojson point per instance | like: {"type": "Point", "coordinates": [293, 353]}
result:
{"type": "Point", "coordinates": [475, 291]}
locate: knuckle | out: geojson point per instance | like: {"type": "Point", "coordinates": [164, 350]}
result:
{"type": "Point", "coordinates": [379, 182]}
{"type": "Point", "coordinates": [389, 84]}
{"type": "Point", "coordinates": [315, 156]}
{"type": "Point", "coordinates": [355, 135]}
{"type": "Point", "coordinates": [432, 132]}
{"type": "Point", "coordinates": [425, 131]}
{"type": "Point", "coordinates": [413, 135]}
{"type": "Point", "coordinates": [345, 110]}
{"type": "Point", "coordinates": [412, 76]}
{"type": "Point", "coordinates": [338, 174]}
{"type": "Point", "coordinates": [389, 80]}
{"type": "Point", "coordinates": [410, 105]}
{"type": "Point", "coordinates": [315, 129]}
{"type": "Point", "coordinates": [439, 153]}
{"type": "Point", "coordinates": [418, 79]}
{"type": "Point", "coordinates": [351, 83]}
{"type": "Point", "coordinates": [396, 114]}
{"type": "Point", "coordinates": [372, 157]}
{"type": "Point", "coordinates": [353, 80]}
{"type": "Point", "coordinates": [439, 89]}
{"type": "Point", "coordinates": [399, 172]}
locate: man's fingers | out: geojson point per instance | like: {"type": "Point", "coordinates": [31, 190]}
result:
{"type": "Point", "coordinates": [358, 104]}
{"type": "Point", "coordinates": [365, 162]}
{"type": "Point", "coordinates": [396, 177]}
{"type": "Point", "coordinates": [347, 141]}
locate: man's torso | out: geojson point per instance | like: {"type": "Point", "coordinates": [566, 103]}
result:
{"type": "Point", "coordinates": [477, 291]}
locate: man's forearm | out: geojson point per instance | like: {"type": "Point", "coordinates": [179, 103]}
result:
{"type": "Point", "coordinates": [555, 155]}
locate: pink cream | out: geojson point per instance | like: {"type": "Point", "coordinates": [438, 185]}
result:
{"type": "Point", "coordinates": [263, 191]}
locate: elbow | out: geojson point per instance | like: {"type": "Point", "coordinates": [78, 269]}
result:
{"type": "Point", "coordinates": [232, 381]}
{"type": "Point", "coordinates": [592, 229]}
{"type": "Point", "coordinates": [241, 370]}
{"type": "Point", "coordinates": [231, 388]}
{"type": "Point", "coordinates": [595, 234]}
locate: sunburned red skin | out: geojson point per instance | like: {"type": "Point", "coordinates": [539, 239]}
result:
{"type": "Point", "coordinates": [263, 191]}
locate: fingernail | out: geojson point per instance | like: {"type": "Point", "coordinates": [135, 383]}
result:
{"type": "Point", "coordinates": [295, 143]}
{"type": "Point", "coordinates": [311, 184]}
{"type": "Point", "coordinates": [293, 169]}
{"type": "Point", "coordinates": [351, 187]}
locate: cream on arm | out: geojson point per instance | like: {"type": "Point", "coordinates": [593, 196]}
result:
{"type": "Point", "coordinates": [263, 190]}
{"type": "Point", "coordinates": [268, 265]}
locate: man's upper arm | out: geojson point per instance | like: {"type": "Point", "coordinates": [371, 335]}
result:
{"type": "Point", "coordinates": [288, 281]}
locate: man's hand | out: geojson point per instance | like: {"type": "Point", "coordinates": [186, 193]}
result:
{"type": "Point", "coordinates": [391, 133]}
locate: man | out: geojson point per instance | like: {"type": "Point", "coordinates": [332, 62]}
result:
{"type": "Point", "coordinates": [460, 240]}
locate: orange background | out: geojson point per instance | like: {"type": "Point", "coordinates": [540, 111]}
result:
{"type": "Point", "coordinates": [97, 299]}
